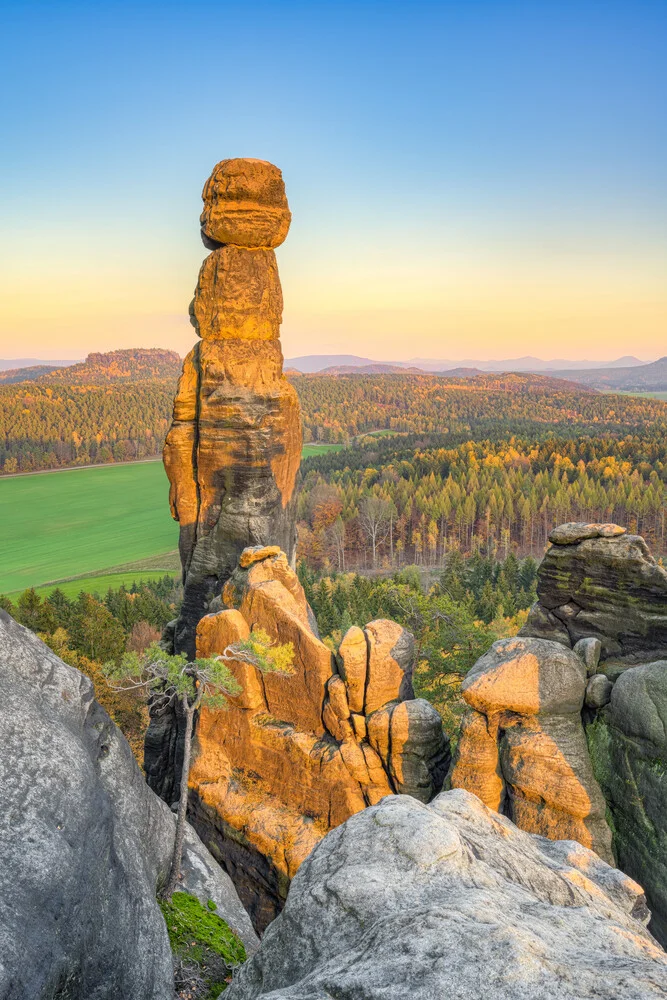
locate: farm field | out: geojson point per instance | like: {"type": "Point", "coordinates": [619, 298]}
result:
{"type": "Point", "coordinates": [98, 584]}
{"type": "Point", "coordinates": [309, 450]}
{"type": "Point", "coordinates": [63, 524]}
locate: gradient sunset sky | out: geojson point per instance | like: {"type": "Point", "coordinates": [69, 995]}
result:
{"type": "Point", "coordinates": [480, 179]}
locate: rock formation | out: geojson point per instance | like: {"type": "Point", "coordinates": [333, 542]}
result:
{"type": "Point", "coordinates": [233, 450]}
{"type": "Point", "coordinates": [628, 744]}
{"type": "Point", "coordinates": [296, 754]}
{"type": "Point", "coordinates": [597, 581]}
{"type": "Point", "coordinates": [523, 747]}
{"type": "Point", "coordinates": [84, 843]}
{"type": "Point", "coordinates": [452, 900]}
{"type": "Point", "coordinates": [593, 651]}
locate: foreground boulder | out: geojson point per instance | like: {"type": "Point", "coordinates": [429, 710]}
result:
{"type": "Point", "coordinates": [85, 844]}
{"type": "Point", "coordinates": [234, 446]}
{"type": "Point", "coordinates": [452, 900]}
{"type": "Point", "coordinates": [523, 747]}
{"type": "Point", "coordinates": [295, 754]}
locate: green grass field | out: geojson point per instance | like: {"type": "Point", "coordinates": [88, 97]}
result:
{"type": "Point", "coordinates": [319, 449]}
{"type": "Point", "coordinates": [98, 584]}
{"type": "Point", "coordinates": [80, 521]}
{"type": "Point", "coordinates": [111, 519]}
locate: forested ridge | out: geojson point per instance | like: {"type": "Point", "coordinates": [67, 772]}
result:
{"type": "Point", "coordinates": [486, 464]}
{"type": "Point", "coordinates": [117, 407]}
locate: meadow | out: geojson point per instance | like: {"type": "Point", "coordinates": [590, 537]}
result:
{"type": "Point", "coordinates": [93, 528]}
{"type": "Point", "coordinates": [65, 524]}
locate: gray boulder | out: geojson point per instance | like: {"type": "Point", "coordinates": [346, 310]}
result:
{"type": "Point", "coordinates": [452, 900]}
{"type": "Point", "coordinates": [85, 844]}
{"type": "Point", "coordinates": [600, 584]}
{"type": "Point", "coordinates": [628, 747]}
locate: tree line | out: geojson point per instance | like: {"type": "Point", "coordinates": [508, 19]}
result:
{"type": "Point", "coordinates": [53, 423]}
{"type": "Point", "coordinates": [405, 504]}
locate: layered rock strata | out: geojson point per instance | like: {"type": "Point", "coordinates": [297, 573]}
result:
{"type": "Point", "coordinates": [596, 581]}
{"type": "Point", "coordinates": [85, 844]}
{"type": "Point", "coordinates": [296, 754]}
{"type": "Point", "coordinates": [233, 450]}
{"type": "Point", "coordinates": [452, 900]}
{"type": "Point", "coordinates": [602, 610]}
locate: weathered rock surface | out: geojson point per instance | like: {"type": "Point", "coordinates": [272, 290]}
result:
{"type": "Point", "coordinates": [296, 754]}
{"type": "Point", "coordinates": [245, 204]}
{"type": "Point", "coordinates": [523, 749]}
{"type": "Point", "coordinates": [233, 450]}
{"type": "Point", "coordinates": [452, 900]}
{"type": "Point", "coordinates": [598, 582]}
{"type": "Point", "coordinates": [84, 843]}
{"type": "Point", "coordinates": [628, 744]}
{"type": "Point", "coordinates": [600, 592]}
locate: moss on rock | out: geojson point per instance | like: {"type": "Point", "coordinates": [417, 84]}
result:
{"type": "Point", "coordinates": [199, 937]}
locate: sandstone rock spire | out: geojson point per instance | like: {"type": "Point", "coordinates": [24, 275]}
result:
{"type": "Point", "coordinates": [233, 450]}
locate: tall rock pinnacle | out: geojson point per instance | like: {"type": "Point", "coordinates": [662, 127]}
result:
{"type": "Point", "coordinates": [233, 450]}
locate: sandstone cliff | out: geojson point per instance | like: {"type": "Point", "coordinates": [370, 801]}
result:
{"type": "Point", "coordinates": [452, 900]}
{"type": "Point", "coordinates": [233, 450]}
{"type": "Point", "coordinates": [566, 727]}
{"type": "Point", "coordinates": [295, 754]}
{"type": "Point", "coordinates": [84, 843]}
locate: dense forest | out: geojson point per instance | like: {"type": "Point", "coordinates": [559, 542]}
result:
{"type": "Point", "coordinates": [428, 465]}
{"type": "Point", "coordinates": [406, 503]}
{"type": "Point", "coordinates": [116, 407]}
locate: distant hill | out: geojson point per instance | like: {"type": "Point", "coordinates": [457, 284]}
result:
{"type": "Point", "coordinates": [133, 365]}
{"type": "Point", "coordinates": [13, 363]}
{"type": "Point", "coordinates": [640, 378]}
{"type": "Point", "coordinates": [459, 373]}
{"type": "Point", "coordinates": [525, 364]}
{"type": "Point", "coordinates": [312, 363]}
{"type": "Point", "coordinates": [11, 375]}
{"type": "Point", "coordinates": [375, 368]}
{"type": "Point", "coordinates": [522, 382]}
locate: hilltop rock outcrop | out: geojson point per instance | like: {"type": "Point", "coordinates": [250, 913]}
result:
{"type": "Point", "coordinates": [452, 900]}
{"type": "Point", "coordinates": [567, 722]}
{"type": "Point", "coordinates": [596, 581]}
{"type": "Point", "coordinates": [85, 844]}
{"type": "Point", "coordinates": [233, 450]}
{"type": "Point", "coordinates": [297, 753]}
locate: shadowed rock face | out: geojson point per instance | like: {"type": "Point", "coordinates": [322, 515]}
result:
{"type": "Point", "coordinates": [628, 745]}
{"type": "Point", "coordinates": [233, 450]}
{"type": "Point", "coordinates": [85, 844]}
{"type": "Point", "coordinates": [597, 581]}
{"type": "Point", "coordinates": [296, 754]}
{"type": "Point", "coordinates": [452, 900]}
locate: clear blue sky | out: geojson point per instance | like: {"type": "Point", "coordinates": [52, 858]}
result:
{"type": "Point", "coordinates": [467, 179]}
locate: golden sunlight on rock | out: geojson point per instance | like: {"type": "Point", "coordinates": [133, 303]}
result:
{"type": "Point", "coordinates": [284, 762]}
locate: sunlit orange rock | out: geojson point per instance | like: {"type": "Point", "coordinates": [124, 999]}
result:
{"type": "Point", "coordinates": [523, 748]}
{"type": "Point", "coordinates": [245, 204]}
{"type": "Point", "coordinates": [233, 450]}
{"type": "Point", "coordinates": [284, 763]}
